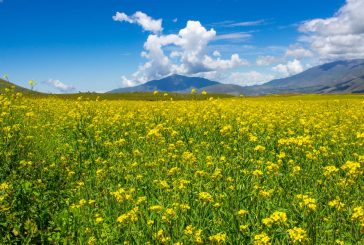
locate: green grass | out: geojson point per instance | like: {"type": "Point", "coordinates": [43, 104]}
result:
{"type": "Point", "coordinates": [146, 96]}
{"type": "Point", "coordinates": [6, 84]}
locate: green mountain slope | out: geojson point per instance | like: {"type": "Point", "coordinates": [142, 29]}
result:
{"type": "Point", "coordinates": [5, 84]}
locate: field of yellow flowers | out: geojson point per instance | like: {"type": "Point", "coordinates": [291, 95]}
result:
{"type": "Point", "coordinates": [273, 170]}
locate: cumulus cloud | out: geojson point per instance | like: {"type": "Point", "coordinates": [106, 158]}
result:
{"type": "Point", "coordinates": [266, 60]}
{"type": "Point", "coordinates": [291, 68]}
{"type": "Point", "coordinates": [125, 82]}
{"type": "Point", "coordinates": [183, 53]}
{"type": "Point", "coordinates": [57, 84]}
{"type": "Point", "coordinates": [140, 18]}
{"type": "Point", "coordinates": [248, 78]}
{"type": "Point", "coordinates": [298, 52]}
{"type": "Point", "coordinates": [340, 36]}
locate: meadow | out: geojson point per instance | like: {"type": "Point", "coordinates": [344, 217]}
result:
{"type": "Point", "coordinates": [264, 170]}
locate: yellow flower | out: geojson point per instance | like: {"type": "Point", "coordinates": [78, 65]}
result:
{"type": "Point", "coordinates": [259, 148]}
{"type": "Point", "coordinates": [198, 237]}
{"type": "Point", "coordinates": [4, 186]}
{"type": "Point", "coordinates": [297, 235]}
{"type": "Point", "coordinates": [205, 197]}
{"type": "Point", "coordinates": [243, 228]}
{"type": "Point", "coordinates": [352, 168]}
{"type": "Point", "coordinates": [226, 129]}
{"type": "Point", "coordinates": [31, 83]}
{"type": "Point", "coordinates": [188, 230]}
{"type": "Point", "coordinates": [265, 193]}
{"type": "Point", "coordinates": [82, 202]}
{"type": "Point", "coordinates": [129, 217]}
{"type": "Point", "coordinates": [337, 204]}
{"type": "Point", "coordinates": [242, 212]}
{"type": "Point", "coordinates": [306, 201]}
{"type": "Point", "coordinates": [358, 213]}
{"type": "Point", "coordinates": [91, 240]}
{"type": "Point", "coordinates": [141, 200]}
{"type": "Point", "coordinates": [257, 173]}
{"type": "Point", "coordinates": [184, 207]}
{"type": "Point", "coordinates": [329, 170]}
{"type": "Point", "coordinates": [162, 237]}
{"type": "Point", "coordinates": [275, 218]}
{"type": "Point", "coordinates": [169, 214]}
{"type": "Point", "coordinates": [218, 238]}
{"type": "Point", "coordinates": [99, 172]}
{"type": "Point", "coordinates": [296, 169]}
{"type": "Point", "coordinates": [217, 205]}
{"type": "Point", "coordinates": [156, 208]}
{"type": "Point", "coordinates": [99, 220]}
{"type": "Point", "coordinates": [261, 239]}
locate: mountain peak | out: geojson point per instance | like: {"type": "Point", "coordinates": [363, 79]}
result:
{"type": "Point", "coordinates": [172, 83]}
{"type": "Point", "coordinates": [343, 76]}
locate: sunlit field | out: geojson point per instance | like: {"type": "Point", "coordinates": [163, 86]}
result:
{"type": "Point", "coordinates": [265, 170]}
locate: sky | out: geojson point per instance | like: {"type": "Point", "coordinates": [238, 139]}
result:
{"type": "Point", "coordinates": [99, 45]}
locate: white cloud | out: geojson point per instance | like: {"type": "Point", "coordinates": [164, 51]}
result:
{"type": "Point", "coordinates": [338, 37]}
{"type": "Point", "coordinates": [239, 24]}
{"type": "Point", "coordinates": [298, 52]}
{"type": "Point", "coordinates": [265, 60]}
{"type": "Point", "coordinates": [175, 20]}
{"type": "Point", "coordinates": [125, 82]}
{"type": "Point", "coordinates": [122, 17]}
{"type": "Point", "coordinates": [211, 75]}
{"type": "Point", "coordinates": [182, 53]}
{"type": "Point", "coordinates": [216, 53]}
{"type": "Point", "coordinates": [140, 18]}
{"type": "Point", "coordinates": [248, 78]}
{"type": "Point", "coordinates": [234, 36]}
{"type": "Point", "coordinates": [219, 64]}
{"type": "Point", "coordinates": [175, 54]}
{"type": "Point", "coordinates": [57, 84]}
{"type": "Point", "coordinates": [247, 23]}
{"type": "Point", "coordinates": [291, 68]}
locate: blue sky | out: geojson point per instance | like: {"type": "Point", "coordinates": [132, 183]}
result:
{"type": "Point", "coordinates": [77, 45]}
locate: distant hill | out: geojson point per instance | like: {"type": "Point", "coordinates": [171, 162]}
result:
{"type": "Point", "coordinates": [5, 84]}
{"type": "Point", "coordinates": [346, 76]}
{"type": "Point", "coordinates": [174, 83]}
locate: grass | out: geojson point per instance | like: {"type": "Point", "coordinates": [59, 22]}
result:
{"type": "Point", "coordinates": [6, 84]}
{"type": "Point", "coordinates": [146, 96]}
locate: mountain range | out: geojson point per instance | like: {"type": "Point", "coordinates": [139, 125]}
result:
{"type": "Point", "coordinates": [345, 76]}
